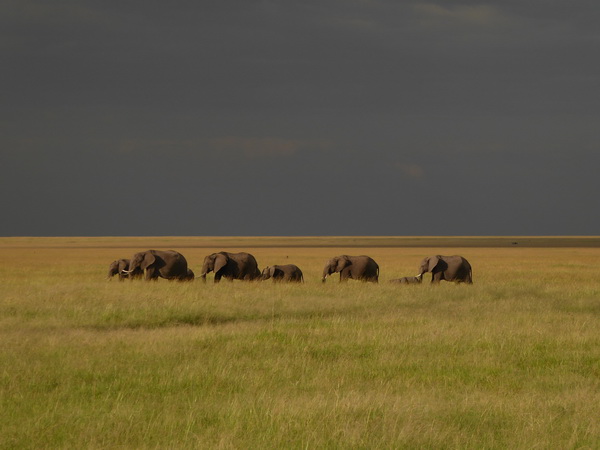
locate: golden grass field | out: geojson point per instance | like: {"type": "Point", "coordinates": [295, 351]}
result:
{"type": "Point", "coordinates": [512, 361]}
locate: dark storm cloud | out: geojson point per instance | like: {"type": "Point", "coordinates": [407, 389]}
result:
{"type": "Point", "coordinates": [322, 117]}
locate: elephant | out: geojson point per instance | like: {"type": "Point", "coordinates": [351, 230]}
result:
{"type": "Point", "coordinates": [116, 267]}
{"type": "Point", "coordinates": [287, 272]}
{"type": "Point", "coordinates": [232, 266]}
{"type": "Point", "coordinates": [167, 264]}
{"type": "Point", "coordinates": [189, 276]}
{"type": "Point", "coordinates": [450, 268]}
{"type": "Point", "coordinates": [407, 280]}
{"type": "Point", "coordinates": [352, 267]}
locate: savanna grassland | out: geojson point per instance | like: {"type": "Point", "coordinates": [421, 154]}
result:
{"type": "Point", "coordinates": [512, 361]}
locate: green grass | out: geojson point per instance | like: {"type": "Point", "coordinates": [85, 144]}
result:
{"type": "Point", "coordinates": [510, 362]}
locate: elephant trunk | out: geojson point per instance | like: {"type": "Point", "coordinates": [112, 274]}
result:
{"type": "Point", "coordinates": [203, 277]}
{"type": "Point", "coordinates": [206, 268]}
{"type": "Point", "coordinates": [326, 272]}
{"type": "Point", "coordinates": [423, 269]}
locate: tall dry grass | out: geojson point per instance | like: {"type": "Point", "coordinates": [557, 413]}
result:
{"type": "Point", "coordinates": [510, 362]}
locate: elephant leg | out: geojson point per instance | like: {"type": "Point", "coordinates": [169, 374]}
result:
{"type": "Point", "coordinates": [465, 279]}
{"type": "Point", "coordinates": [371, 277]}
{"type": "Point", "coordinates": [154, 274]}
{"type": "Point", "coordinates": [465, 276]}
{"type": "Point", "coordinates": [345, 274]}
{"type": "Point", "coordinates": [437, 277]}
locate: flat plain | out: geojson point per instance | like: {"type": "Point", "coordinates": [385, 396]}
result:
{"type": "Point", "coordinates": [512, 361]}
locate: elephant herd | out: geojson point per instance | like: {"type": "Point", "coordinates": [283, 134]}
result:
{"type": "Point", "coordinates": [172, 265]}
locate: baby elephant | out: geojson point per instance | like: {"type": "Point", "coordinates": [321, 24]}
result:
{"type": "Point", "coordinates": [116, 268]}
{"type": "Point", "coordinates": [189, 276]}
{"type": "Point", "coordinates": [407, 280]}
{"type": "Point", "coordinates": [288, 272]}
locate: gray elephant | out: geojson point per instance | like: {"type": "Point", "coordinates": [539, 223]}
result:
{"type": "Point", "coordinates": [352, 267]}
{"type": "Point", "coordinates": [232, 266]}
{"type": "Point", "coordinates": [167, 264]}
{"type": "Point", "coordinates": [450, 268]}
{"type": "Point", "coordinates": [189, 276]}
{"type": "Point", "coordinates": [287, 272]}
{"type": "Point", "coordinates": [118, 266]}
{"type": "Point", "coordinates": [407, 280]}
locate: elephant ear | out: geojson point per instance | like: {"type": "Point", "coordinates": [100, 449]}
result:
{"type": "Point", "coordinates": [433, 261]}
{"type": "Point", "coordinates": [342, 263]}
{"type": "Point", "coordinates": [272, 271]}
{"type": "Point", "coordinates": [220, 262]}
{"type": "Point", "coordinates": [148, 260]}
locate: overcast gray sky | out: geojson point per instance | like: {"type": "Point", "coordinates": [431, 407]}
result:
{"type": "Point", "coordinates": [322, 117]}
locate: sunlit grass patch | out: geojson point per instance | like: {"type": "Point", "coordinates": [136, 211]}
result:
{"type": "Point", "coordinates": [509, 362]}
